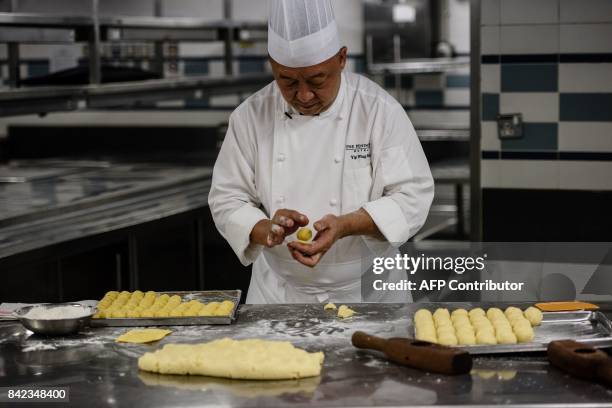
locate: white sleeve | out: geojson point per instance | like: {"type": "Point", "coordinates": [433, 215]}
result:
{"type": "Point", "coordinates": [403, 187]}
{"type": "Point", "coordinates": [233, 197]}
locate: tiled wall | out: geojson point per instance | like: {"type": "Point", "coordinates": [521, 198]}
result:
{"type": "Point", "coordinates": [550, 60]}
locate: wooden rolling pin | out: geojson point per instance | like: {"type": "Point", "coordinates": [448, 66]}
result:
{"type": "Point", "coordinates": [581, 360]}
{"type": "Point", "coordinates": [417, 354]}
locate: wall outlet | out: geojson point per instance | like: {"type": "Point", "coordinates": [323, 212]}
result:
{"type": "Point", "coordinates": [510, 126]}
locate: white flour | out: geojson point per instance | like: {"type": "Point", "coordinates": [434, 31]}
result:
{"type": "Point", "coordinates": [56, 313]}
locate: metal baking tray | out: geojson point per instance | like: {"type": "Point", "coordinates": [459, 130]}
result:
{"type": "Point", "coordinates": [204, 296]}
{"type": "Point", "coordinates": [589, 327]}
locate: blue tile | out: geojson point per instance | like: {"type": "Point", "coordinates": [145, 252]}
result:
{"type": "Point", "coordinates": [196, 66]}
{"type": "Point", "coordinates": [592, 107]}
{"type": "Point", "coordinates": [252, 65]}
{"type": "Point", "coordinates": [529, 77]}
{"type": "Point", "coordinates": [490, 106]}
{"type": "Point", "coordinates": [429, 98]}
{"type": "Point", "coordinates": [457, 81]}
{"type": "Point", "coordinates": [536, 136]}
{"type": "Point", "coordinates": [359, 64]}
{"type": "Point", "coordinates": [197, 103]}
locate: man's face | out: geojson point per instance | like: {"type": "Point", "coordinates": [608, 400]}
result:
{"type": "Point", "coordinates": [311, 90]}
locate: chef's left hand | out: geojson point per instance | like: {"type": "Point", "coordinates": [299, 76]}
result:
{"type": "Point", "coordinates": [329, 230]}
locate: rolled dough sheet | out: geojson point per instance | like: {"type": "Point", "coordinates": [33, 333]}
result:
{"type": "Point", "coordinates": [143, 335]}
{"type": "Point", "coordinates": [251, 359]}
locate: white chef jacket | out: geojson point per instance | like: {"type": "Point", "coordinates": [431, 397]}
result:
{"type": "Point", "coordinates": [362, 152]}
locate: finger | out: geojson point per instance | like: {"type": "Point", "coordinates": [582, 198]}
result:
{"type": "Point", "coordinates": [309, 261]}
{"type": "Point", "coordinates": [302, 247]}
{"type": "Point", "coordinates": [321, 225]}
{"type": "Point", "coordinates": [299, 218]}
{"type": "Point", "coordinates": [282, 220]}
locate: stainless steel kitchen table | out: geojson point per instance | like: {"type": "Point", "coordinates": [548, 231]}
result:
{"type": "Point", "coordinates": [100, 372]}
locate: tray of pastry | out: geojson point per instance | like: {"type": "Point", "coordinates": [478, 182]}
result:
{"type": "Point", "coordinates": [167, 308]}
{"type": "Point", "coordinates": [513, 330]}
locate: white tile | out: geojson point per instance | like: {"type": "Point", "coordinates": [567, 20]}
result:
{"type": "Point", "coordinates": [529, 39]}
{"type": "Point", "coordinates": [489, 173]}
{"type": "Point", "coordinates": [535, 107]}
{"type": "Point", "coordinates": [585, 175]}
{"type": "Point", "coordinates": [489, 40]}
{"type": "Point", "coordinates": [585, 77]}
{"type": "Point", "coordinates": [529, 174]}
{"type": "Point", "coordinates": [586, 11]}
{"type": "Point", "coordinates": [459, 118]}
{"type": "Point", "coordinates": [529, 11]}
{"type": "Point", "coordinates": [488, 136]}
{"type": "Point", "coordinates": [489, 12]}
{"type": "Point", "coordinates": [585, 38]}
{"type": "Point", "coordinates": [490, 78]}
{"type": "Point", "coordinates": [457, 97]}
{"type": "Point", "coordinates": [216, 69]}
{"type": "Point", "coordinates": [585, 137]}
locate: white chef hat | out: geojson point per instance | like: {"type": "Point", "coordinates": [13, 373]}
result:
{"type": "Point", "coordinates": [302, 33]}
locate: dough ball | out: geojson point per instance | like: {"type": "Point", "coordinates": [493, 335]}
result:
{"type": "Point", "coordinates": [524, 334]}
{"type": "Point", "coordinates": [431, 339]}
{"type": "Point", "coordinates": [482, 324]}
{"type": "Point", "coordinates": [521, 324]}
{"type": "Point", "coordinates": [512, 310]}
{"type": "Point", "coordinates": [489, 330]}
{"type": "Point", "coordinates": [344, 312]}
{"type": "Point", "coordinates": [443, 331]}
{"type": "Point", "coordinates": [304, 234]}
{"type": "Point", "coordinates": [534, 315]}
{"type": "Point", "coordinates": [460, 319]}
{"type": "Point", "coordinates": [209, 309]}
{"type": "Point", "coordinates": [485, 337]}
{"type": "Point", "coordinates": [476, 312]}
{"type": "Point", "coordinates": [506, 375]}
{"type": "Point", "coordinates": [329, 306]}
{"type": "Point", "coordinates": [464, 331]}
{"type": "Point", "coordinates": [423, 314]}
{"type": "Point", "coordinates": [448, 340]}
{"type": "Point", "coordinates": [486, 374]}
{"type": "Point", "coordinates": [466, 338]}
{"type": "Point", "coordinates": [441, 313]}
{"type": "Point", "coordinates": [444, 323]}
{"type": "Point", "coordinates": [224, 309]}
{"type": "Point", "coordinates": [505, 337]}
{"type": "Point", "coordinates": [459, 312]}
{"type": "Point", "coordinates": [494, 313]}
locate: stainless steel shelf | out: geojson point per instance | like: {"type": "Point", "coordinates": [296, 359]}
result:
{"type": "Point", "coordinates": [419, 66]}
{"type": "Point", "coordinates": [49, 99]}
{"type": "Point", "coordinates": [439, 135]}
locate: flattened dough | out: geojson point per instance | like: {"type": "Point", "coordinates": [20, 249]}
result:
{"type": "Point", "coordinates": [143, 335]}
{"type": "Point", "coordinates": [344, 311]}
{"type": "Point", "coordinates": [251, 359]}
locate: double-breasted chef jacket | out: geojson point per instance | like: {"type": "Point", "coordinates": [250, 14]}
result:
{"type": "Point", "coordinates": [362, 152]}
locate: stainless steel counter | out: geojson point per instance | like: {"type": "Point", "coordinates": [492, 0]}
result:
{"type": "Point", "coordinates": [92, 199]}
{"type": "Point", "coordinates": [100, 372]}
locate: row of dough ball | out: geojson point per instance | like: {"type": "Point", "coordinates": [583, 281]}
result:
{"type": "Point", "coordinates": [477, 326]}
{"type": "Point", "coordinates": [149, 304]}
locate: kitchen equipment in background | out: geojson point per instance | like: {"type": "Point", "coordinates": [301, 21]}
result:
{"type": "Point", "coordinates": [402, 29]}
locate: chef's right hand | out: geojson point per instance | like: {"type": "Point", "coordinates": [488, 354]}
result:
{"type": "Point", "coordinates": [271, 233]}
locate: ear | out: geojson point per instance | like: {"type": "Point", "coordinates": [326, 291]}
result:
{"type": "Point", "coordinates": [343, 55]}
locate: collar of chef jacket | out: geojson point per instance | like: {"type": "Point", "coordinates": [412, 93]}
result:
{"type": "Point", "coordinates": [333, 111]}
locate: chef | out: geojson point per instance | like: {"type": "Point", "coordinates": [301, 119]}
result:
{"type": "Point", "coordinates": [324, 149]}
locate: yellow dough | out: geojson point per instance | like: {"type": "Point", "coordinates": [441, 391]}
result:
{"type": "Point", "coordinates": [505, 337]}
{"type": "Point", "coordinates": [304, 234]}
{"type": "Point", "coordinates": [524, 334]}
{"type": "Point", "coordinates": [485, 337]}
{"type": "Point", "coordinates": [209, 309]}
{"type": "Point", "coordinates": [466, 338]}
{"type": "Point", "coordinates": [251, 359]}
{"type": "Point", "coordinates": [344, 311]}
{"type": "Point", "coordinates": [143, 336]}
{"type": "Point", "coordinates": [224, 309]}
{"type": "Point", "coordinates": [329, 306]}
{"type": "Point", "coordinates": [534, 315]}
{"type": "Point", "coordinates": [476, 312]}
{"type": "Point", "coordinates": [448, 340]}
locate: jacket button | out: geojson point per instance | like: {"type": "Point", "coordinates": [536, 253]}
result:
{"type": "Point", "coordinates": [337, 159]}
{"type": "Point", "coordinates": [333, 202]}
{"type": "Point", "coordinates": [281, 157]}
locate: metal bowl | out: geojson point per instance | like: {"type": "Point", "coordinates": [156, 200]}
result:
{"type": "Point", "coordinates": [51, 327]}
